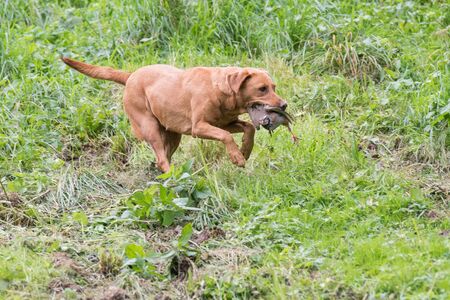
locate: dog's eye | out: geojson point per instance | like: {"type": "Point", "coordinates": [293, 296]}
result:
{"type": "Point", "coordinates": [263, 89]}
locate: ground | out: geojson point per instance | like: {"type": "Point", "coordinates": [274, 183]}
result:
{"type": "Point", "coordinates": [357, 209]}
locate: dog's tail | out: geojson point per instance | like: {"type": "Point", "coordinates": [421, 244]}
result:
{"type": "Point", "coordinates": [98, 72]}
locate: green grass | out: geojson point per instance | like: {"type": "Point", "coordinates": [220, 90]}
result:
{"type": "Point", "coordinates": [359, 208]}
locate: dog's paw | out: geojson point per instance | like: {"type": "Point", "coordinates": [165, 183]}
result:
{"type": "Point", "coordinates": [163, 166]}
{"type": "Point", "coordinates": [237, 158]}
{"type": "Point", "coordinates": [246, 151]}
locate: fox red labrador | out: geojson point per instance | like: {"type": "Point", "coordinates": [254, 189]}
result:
{"type": "Point", "coordinates": [164, 102]}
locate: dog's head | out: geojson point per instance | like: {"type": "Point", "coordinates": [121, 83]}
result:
{"type": "Point", "coordinates": [254, 86]}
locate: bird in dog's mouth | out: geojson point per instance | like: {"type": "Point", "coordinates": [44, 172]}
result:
{"type": "Point", "coordinates": [270, 118]}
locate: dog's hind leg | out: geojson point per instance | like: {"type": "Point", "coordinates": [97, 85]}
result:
{"type": "Point", "coordinates": [145, 126]}
{"type": "Point", "coordinates": [136, 131]}
{"type": "Point", "coordinates": [171, 142]}
{"type": "Point", "coordinates": [152, 132]}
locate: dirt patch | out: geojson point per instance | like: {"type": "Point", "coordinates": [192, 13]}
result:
{"type": "Point", "coordinates": [440, 191]}
{"type": "Point", "coordinates": [432, 214]}
{"type": "Point", "coordinates": [13, 210]}
{"type": "Point", "coordinates": [207, 234]}
{"type": "Point", "coordinates": [345, 292]}
{"type": "Point", "coordinates": [58, 285]}
{"type": "Point", "coordinates": [372, 147]}
{"type": "Point", "coordinates": [11, 199]}
{"type": "Point", "coordinates": [228, 256]}
{"type": "Point", "coordinates": [95, 286]}
{"type": "Point", "coordinates": [162, 297]}
{"type": "Point", "coordinates": [62, 260]}
{"type": "Point", "coordinates": [114, 293]}
{"type": "Point", "coordinates": [89, 154]}
{"type": "Point", "coordinates": [180, 266]}
{"type": "Point", "coordinates": [220, 261]}
{"type": "Point", "coordinates": [161, 238]}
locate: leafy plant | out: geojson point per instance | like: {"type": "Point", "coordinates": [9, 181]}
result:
{"type": "Point", "coordinates": [169, 200]}
{"type": "Point", "coordinates": [146, 263]}
{"type": "Point", "coordinates": [141, 261]}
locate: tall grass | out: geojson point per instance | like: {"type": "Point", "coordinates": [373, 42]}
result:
{"type": "Point", "coordinates": [357, 209]}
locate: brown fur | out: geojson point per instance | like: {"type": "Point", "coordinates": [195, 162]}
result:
{"type": "Point", "coordinates": [164, 102]}
{"type": "Point", "coordinates": [106, 73]}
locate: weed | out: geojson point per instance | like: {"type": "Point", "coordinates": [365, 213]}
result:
{"type": "Point", "coordinates": [109, 263]}
{"type": "Point", "coordinates": [178, 258]}
{"type": "Point", "coordinates": [356, 59]}
{"type": "Point", "coordinates": [169, 200]}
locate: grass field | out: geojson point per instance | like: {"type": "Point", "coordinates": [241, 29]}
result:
{"type": "Point", "coordinates": [358, 209]}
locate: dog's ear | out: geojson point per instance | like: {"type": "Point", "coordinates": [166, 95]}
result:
{"type": "Point", "coordinates": [229, 82]}
{"type": "Point", "coordinates": [236, 79]}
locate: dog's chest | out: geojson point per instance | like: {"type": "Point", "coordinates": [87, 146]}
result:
{"type": "Point", "coordinates": [226, 118]}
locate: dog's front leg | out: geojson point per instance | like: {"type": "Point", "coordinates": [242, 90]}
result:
{"type": "Point", "coordinates": [247, 138]}
{"type": "Point", "coordinates": [207, 131]}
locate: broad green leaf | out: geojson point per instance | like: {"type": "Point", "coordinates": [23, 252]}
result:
{"type": "Point", "coordinates": [203, 194]}
{"type": "Point", "coordinates": [185, 236]}
{"type": "Point", "coordinates": [167, 174]}
{"type": "Point", "coordinates": [163, 193]}
{"type": "Point", "coordinates": [168, 217]}
{"type": "Point", "coordinates": [138, 198]}
{"type": "Point", "coordinates": [184, 176]}
{"type": "Point", "coordinates": [134, 251]}
{"type": "Point", "coordinates": [187, 166]}
{"type": "Point", "coordinates": [166, 195]}
{"type": "Point", "coordinates": [81, 218]}
{"type": "Point", "coordinates": [181, 202]}
{"type": "Point", "coordinates": [151, 190]}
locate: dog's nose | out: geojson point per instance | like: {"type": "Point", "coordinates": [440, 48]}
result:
{"type": "Point", "coordinates": [283, 105]}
